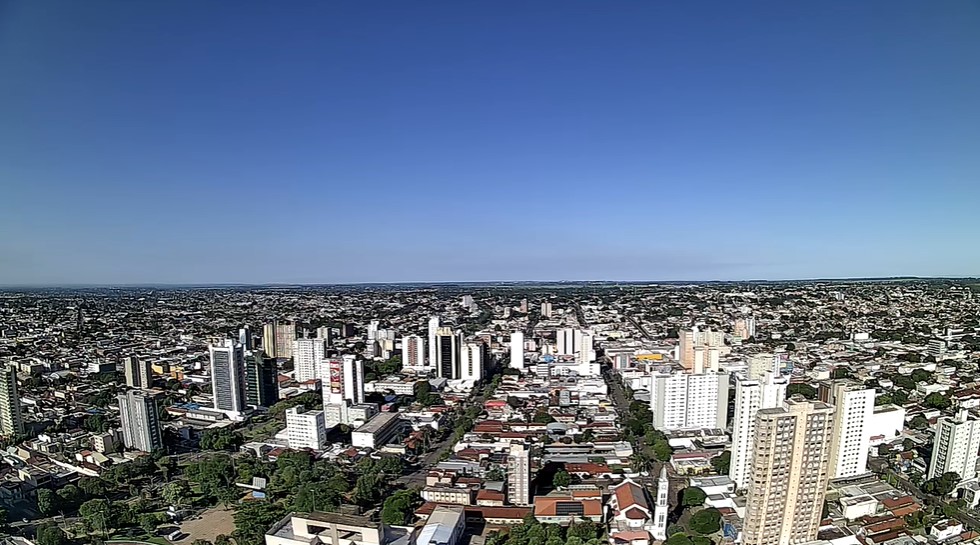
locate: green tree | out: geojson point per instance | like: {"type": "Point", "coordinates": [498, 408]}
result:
{"type": "Point", "coordinates": [93, 486]}
{"type": "Point", "coordinates": [701, 540]}
{"type": "Point", "coordinates": [50, 534]}
{"type": "Point", "coordinates": [722, 462]}
{"type": "Point", "coordinates": [97, 515]}
{"type": "Point", "coordinates": [70, 496]}
{"type": "Point", "coordinates": [919, 422]}
{"type": "Point", "coordinates": [916, 520]}
{"type": "Point", "coordinates": [936, 400]}
{"type": "Point", "coordinates": [805, 390]}
{"type": "Point", "coordinates": [47, 502]}
{"type": "Point", "coordinates": [706, 521]}
{"type": "Point", "coordinates": [921, 375]}
{"type": "Point", "coordinates": [175, 492]}
{"type": "Point", "coordinates": [148, 522]}
{"type": "Point", "coordinates": [900, 397]}
{"type": "Point", "coordinates": [693, 496]}
{"type": "Point", "coordinates": [542, 417]}
{"type": "Point", "coordinates": [252, 519]}
{"type": "Point", "coordinates": [221, 439]}
{"type": "Point", "coordinates": [495, 474]}
{"type": "Point", "coordinates": [942, 485]}
{"type": "Point", "coordinates": [679, 539]}
{"type": "Point", "coordinates": [397, 508]}
{"type": "Point", "coordinates": [562, 479]}
{"type": "Point", "coordinates": [222, 539]}
{"type": "Point", "coordinates": [201, 542]}
{"type": "Point", "coordinates": [583, 529]}
{"type": "Point", "coordinates": [662, 450]}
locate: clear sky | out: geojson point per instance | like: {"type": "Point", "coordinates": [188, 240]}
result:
{"type": "Point", "coordinates": [254, 142]}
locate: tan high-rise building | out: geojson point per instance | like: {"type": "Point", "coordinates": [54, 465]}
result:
{"type": "Point", "coordinates": [790, 472]}
{"type": "Point", "coordinates": [285, 335]}
{"type": "Point", "coordinates": [699, 351]}
{"type": "Point", "coordinates": [269, 340]}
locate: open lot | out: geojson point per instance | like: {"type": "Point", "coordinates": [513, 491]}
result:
{"type": "Point", "coordinates": [208, 525]}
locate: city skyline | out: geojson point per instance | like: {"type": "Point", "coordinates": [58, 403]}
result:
{"type": "Point", "coordinates": [146, 143]}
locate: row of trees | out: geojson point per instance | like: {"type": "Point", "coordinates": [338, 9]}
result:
{"type": "Point", "coordinates": [532, 532]}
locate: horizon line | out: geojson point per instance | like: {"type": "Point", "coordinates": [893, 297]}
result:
{"type": "Point", "coordinates": [474, 282]}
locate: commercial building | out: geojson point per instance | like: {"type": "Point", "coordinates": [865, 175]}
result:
{"type": "Point", "coordinates": [228, 378]}
{"type": "Point", "coordinates": [308, 356]}
{"type": "Point", "coordinates": [689, 401]}
{"type": "Point", "coordinates": [443, 527]}
{"type": "Point", "coordinates": [413, 352]}
{"type": "Point", "coordinates": [447, 354]}
{"type": "Point", "coordinates": [327, 529]}
{"type": "Point", "coordinates": [305, 429]}
{"type": "Point", "coordinates": [138, 372]}
{"type": "Point", "coordinates": [378, 432]}
{"type": "Point", "coordinates": [261, 379]}
{"type": "Point", "coordinates": [750, 396]}
{"type": "Point", "coordinates": [789, 473]}
{"type": "Point", "coordinates": [519, 474]}
{"type": "Point", "coordinates": [11, 419]}
{"type": "Point", "coordinates": [517, 350]}
{"type": "Point", "coordinates": [139, 414]}
{"type": "Point", "coordinates": [853, 413]}
{"type": "Point", "coordinates": [342, 387]}
{"type": "Point", "coordinates": [245, 337]}
{"type": "Point", "coordinates": [955, 446]}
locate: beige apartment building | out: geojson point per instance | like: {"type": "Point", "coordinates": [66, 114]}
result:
{"type": "Point", "coordinates": [789, 473]}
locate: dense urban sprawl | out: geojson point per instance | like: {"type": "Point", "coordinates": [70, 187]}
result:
{"type": "Point", "coordinates": [832, 413]}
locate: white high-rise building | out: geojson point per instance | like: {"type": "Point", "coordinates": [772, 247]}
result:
{"type": "Point", "coordinates": [517, 350]}
{"type": "Point", "coordinates": [245, 337]}
{"type": "Point", "coordinates": [568, 341]}
{"type": "Point", "coordinates": [519, 475]}
{"type": "Point", "coordinates": [689, 401]}
{"type": "Point", "coordinates": [662, 506]}
{"type": "Point", "coordinates": [955, 446]}
{"type": "Point", "coordinates": [854, 407]}
{"type": "Point", "coordinates": [372, 330]}
{"type": "Point", "coordinates": [228, 378]}
{"type": "Point", "coordinates": [750, 397]}
{"type": "Point", "coordinates": [471, 361]}
{"type": "Point", "coordinates": [140, 420]}
{"type": "Point", "coordinates": [760, 364]}
{"type": "Point", "coordinates": [413, 352]}
{"type": "Point", "coordinates": [546, 309]}
{"type": "Point", "coordinates": [585, 352]}
{"type": "Point", "coordinates": [353, 379]}
{"type": "Point", "coordinates": [305, 429]}
{"type": "Point", "coordinates": [11, 419]}
{"type": "Point", "coordinates": [433, 347]}
{"type": "Point", "coordinates": [138, 372]}
{"type": "Point", "coordinates": [308, 356]}
{"type": "Point", "coordinates": [343, 387]}
{"type": "Point", "coordinates": [789, 476]}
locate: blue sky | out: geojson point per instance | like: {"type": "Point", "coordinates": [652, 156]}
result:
{"type": "Point", "coordinates": [199, 142]}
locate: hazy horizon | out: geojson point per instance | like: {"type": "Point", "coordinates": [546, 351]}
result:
{"type": "Point", "coordinates": [188, 143]}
